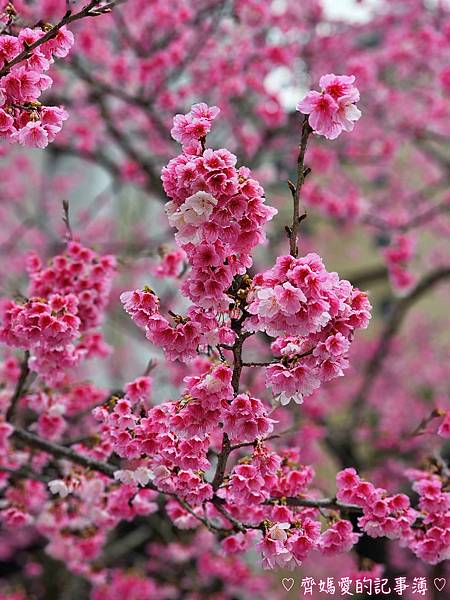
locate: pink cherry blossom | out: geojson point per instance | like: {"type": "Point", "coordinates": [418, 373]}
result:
{"type": "Point", "coordinates": [333, 110]}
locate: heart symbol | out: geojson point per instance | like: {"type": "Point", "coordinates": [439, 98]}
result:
{"type": "Point", "coordinates": [288, 583]}
{"type": "Point", "coordinates": [439, 583]}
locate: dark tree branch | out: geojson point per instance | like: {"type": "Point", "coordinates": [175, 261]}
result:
{"type": "Point", "coordinates": [325, 503]}
{"type": "Point", "coordinates": [393, 324]}
{"type": "Point", "coordinates": [241, 336]}
{"type": "Point", "coordinates": [20, 388]}
{"type": "Point", "coordinates": [365, 277]}
{"type": "Point", "coordinates": [58, 451]}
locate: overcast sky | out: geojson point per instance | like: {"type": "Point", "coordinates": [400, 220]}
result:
{"type": "Point", "coordinates": [348, 8]}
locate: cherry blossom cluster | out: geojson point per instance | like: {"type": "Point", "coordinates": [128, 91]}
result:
{"type": "Point", "coordinates": [181, 338]}
{"type": "Point", "coordinates": [298, 296]}
{"type": "Point", "coordinates": [66, 301]}
{"type": "Point", "coordinates": [383, 515]}
{"type": "Point", "coordinates": [174, 437]}
{"type": "Point", "coordinates": [189, 129]}
{"type": "Point", "coordinates": [263, 476]}
{"type": "Point", "coordinates": [80, 271]}
{"type": "Point", "coordinates": [313, 314]}
{"type": "Point", "coordinates": [172, 462]}
{"type": "Point", "coordinates": [290, 533]}
{"type": "Point", "coordinates": [431, 541]}
{"type": "Point", "coordinates": [287, 547]}
{"type": "Point", "coordinates": [45, 328]}
{"type": "Point", "coordinates": [89, 508]}
{"type": "Point", "coordinates": [123, 586]}
{"type": "Point", "coordinates": [333, 109]}
{"type": "Point", "coordinates": [393, 517]}
{"type": "Point", "coordinates": [339, 537]}
{"type": "Point", "coordinates": [171, 264]}
{"type": "Point", "coordinates": [55, 410]}
{"type": "Point", "coordinates": [205, 399]}
{"type": "Point", "coordinates": [217, 210]}
{"type": "Point", "coordinates": [346, 206]}
{"type": "Point", "coordinates": [246, 419]}
{"type": "Point", "coordinates": [23, 119]}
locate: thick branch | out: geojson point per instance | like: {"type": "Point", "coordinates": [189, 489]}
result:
{"type": "Point", "coordinates": [371, 275]}
{"type": "Point", "coordinates": [61, 452]}
{"type": "Point", "coordinates": [57, 451]}
{"type": "Point", "coordinates": [221, 462]}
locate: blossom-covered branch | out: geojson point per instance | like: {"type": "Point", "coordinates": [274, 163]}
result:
{"type": "Point", "coordinates": [24, 58]}
{"type": "Point", "coordinates": [93, 8]}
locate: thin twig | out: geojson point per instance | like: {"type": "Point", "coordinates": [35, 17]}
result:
{"type": "Point", "coordinates": [205, 522]}
{"type": "Point", "coordinates": [421, 427]}
{"type": "Point", "coordinates": [237, 524]}
{"type": "Point", "coordinates": [302, 173]}
{"type": "Point", "coordinates": [267, 439]}
{"type": "Point", "coordinates": [277, 360]}
{"type": "Point", "coordinates": [260, 364]}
